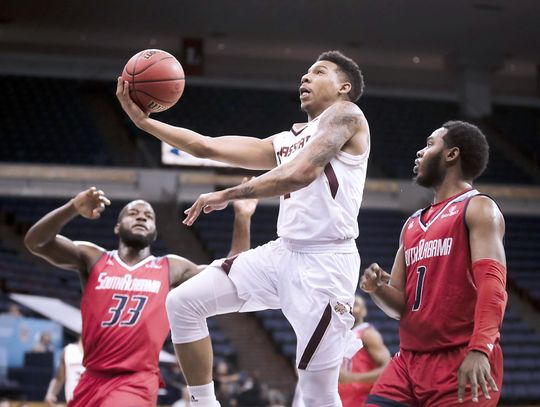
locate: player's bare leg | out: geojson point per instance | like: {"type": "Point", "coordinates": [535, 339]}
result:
{"type": "Point", "coordinates": [210, 292]}
{"type": "Point", "coordinates": [196, 360]}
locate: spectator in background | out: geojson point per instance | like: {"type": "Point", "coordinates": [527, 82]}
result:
{"type": "Point", "coordinates": [223, 377]}
{"type": "Point", "coordinates": [275, 398]}
{"type": "Point", "coordinates": [44, 344]}
{"type": "Point", "coordinates": [14, 310]}
{"type": "Point", "coordinates": [175, 384]}
{"type": "Point", "coordinates": [227, 384]}
{"type": "Point", "coordinates": [69, 371]}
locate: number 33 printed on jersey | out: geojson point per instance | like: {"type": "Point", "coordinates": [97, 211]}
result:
{"type": "Point", "coordinates": [131, 315]}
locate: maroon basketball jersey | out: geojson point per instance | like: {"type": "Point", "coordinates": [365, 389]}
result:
{"type": "Point", "coordinates": [352, 394]}
{"type": "Point", "coordinates": [440, 291]}
{"type": "Point", "coordinates": [123, 314]}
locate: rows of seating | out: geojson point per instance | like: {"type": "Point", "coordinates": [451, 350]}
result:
{"type": "Point", "coordinates": [522, 125]}
{"type": "Point", "coordinates": [523, 256]}
{"type": "Point", "coordinates": [48, 121]}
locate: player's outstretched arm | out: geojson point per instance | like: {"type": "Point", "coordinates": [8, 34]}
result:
{"type": "Point", "coordinates": [486, 232]}
{"type": "Point", "coordinates": [339, 124]}
{"type": "Point", "coordinates": [240, 151]}
{"type": "Point", "coordinates": [43, 238]}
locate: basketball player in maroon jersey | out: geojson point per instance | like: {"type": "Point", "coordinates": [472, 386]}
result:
{"type": "Point", "coordinates": [358, 374]}
{"type": "Point", "coordinates": [447, 284]}
{"type": "Point", "coordinates": [124, 321]}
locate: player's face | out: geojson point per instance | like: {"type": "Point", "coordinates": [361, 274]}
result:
{"type": "Point", "coordinates": [359, 310]}
{"type": "Point", "coordinates": [137, 224]}
{"type": "Point", "coordinates": [320, 86]}
{"type": "Point", "coordinates": [429, 167]}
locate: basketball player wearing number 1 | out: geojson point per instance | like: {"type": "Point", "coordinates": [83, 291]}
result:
{"type": "Point", "coordinates": [318, 169]}
{"type": "Point", "coordinates": [447, 285]}
{"type": "Point", "coordinates": [124, 322]}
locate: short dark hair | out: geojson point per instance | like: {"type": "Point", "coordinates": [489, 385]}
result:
{"type": "Point", "coordinates": [350, 69]}
{"type": "Point", "coordinates": [472, 144]}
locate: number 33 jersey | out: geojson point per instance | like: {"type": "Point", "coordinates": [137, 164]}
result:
{"type": "Point", "coordinates": [124, 321]}
{"type": "Point", "coordinates": [440, 289]}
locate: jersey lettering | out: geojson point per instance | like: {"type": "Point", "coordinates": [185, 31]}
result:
{"type": "Point", "coordinates": [427, 249]}
{"type": "Point", "coordinates": [127, 283]}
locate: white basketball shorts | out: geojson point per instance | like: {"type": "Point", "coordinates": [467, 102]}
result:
{"type": "Point", "coordinates": [314, 286]}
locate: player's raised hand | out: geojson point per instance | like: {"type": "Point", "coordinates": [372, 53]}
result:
{"type": "Point", "coordinates": [476, 371]}
{"type": "Point", "coordinates": [133, 111]}
{"type": "Point", "coordinates": [213, 201]}
{"type": "Point", "coordinates": [374, 277]}
{"type": "Point", "coordinates": [90, 203]}
{"type": "Point", "coordinates": [245, 207]}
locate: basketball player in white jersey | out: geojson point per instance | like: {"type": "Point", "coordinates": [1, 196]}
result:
{"type": "Point", "coordinates": [68, 373]}
{"type": "Point", "coordinates": [318, 169]}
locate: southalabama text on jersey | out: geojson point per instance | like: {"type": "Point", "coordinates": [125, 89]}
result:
{"type": "Point", "coordinates": [426, 249]}
{"type": "Point", "coordinates": [127, 283]}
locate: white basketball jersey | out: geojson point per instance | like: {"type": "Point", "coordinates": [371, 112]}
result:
{"type": "Point", "coordinates": [327, 209]}
{"type": "Point", "coordinates": [73, 358]}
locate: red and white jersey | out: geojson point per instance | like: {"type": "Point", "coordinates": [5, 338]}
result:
{"type": "Point", "coordinates": [123, 314]}
{"type": "Point", "coordinates": [327, 209]}
{"type": "Point", "coordinates": [354, 394]}
{"type": "Point", "coordinates": [441, 294]}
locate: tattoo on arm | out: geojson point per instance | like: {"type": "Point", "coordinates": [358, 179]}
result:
{"type": "Point", "coordinates": [242, 192]}
{"type": "Point", "coordinates": [339, 130]}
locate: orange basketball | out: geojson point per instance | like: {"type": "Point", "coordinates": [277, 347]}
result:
{"type": "Point", "coordinates": [156, 80]}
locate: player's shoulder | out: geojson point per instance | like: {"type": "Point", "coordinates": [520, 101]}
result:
{"type": "Point", "coordinates": [482, 203]}
{"type": "Point", "coordinates": [91, 252]}
{"type": "Point", "coordinates": [482, 208]}
{"type": "Point", "coordinates": [83, 244]}
{"type": "Point", "coordinates": [175, 258]}
{"type": "Point", "coordinates": [177, 262]}
{"type": "Point", "coordinates": [345, 107]}
{"type": "Point", "coordinates": [371, 335]}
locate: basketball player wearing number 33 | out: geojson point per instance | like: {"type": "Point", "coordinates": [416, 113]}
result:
{"type": "Point", "coordinates": [124, 322]}
{"type": "Point", "coordinates": [311, 271]}
{"type": "Point", "coordinates": [447, 285]}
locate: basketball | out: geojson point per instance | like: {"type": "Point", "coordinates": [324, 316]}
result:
{"type": "Point", "coordinates": [156, 80]}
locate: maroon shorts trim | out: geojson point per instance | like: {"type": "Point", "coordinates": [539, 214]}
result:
{"type": "Point", "coordinates": [316, 338]}
{"type": "Point", "coordinates": [227, 264]}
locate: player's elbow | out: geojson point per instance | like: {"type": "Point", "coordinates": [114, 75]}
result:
{"type": "Point", "coordinates": [394, 312]}
{"type": "Point", "coordinates": [30, 243]}
{"type": "Point", "coordinates": [202, 148]}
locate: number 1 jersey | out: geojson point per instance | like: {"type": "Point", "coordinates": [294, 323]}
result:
{"type": "Point", "coordinates": [124, 321]}
{"type": "Point", "coordinates": [440, 289]}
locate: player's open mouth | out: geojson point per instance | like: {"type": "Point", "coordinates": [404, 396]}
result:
{"type": "Point", "coordinates": [304, 91]}
{"type": "Point", "coordinates": [140, 227]}
{"type": "Point", "coordinates": [415, 168]}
